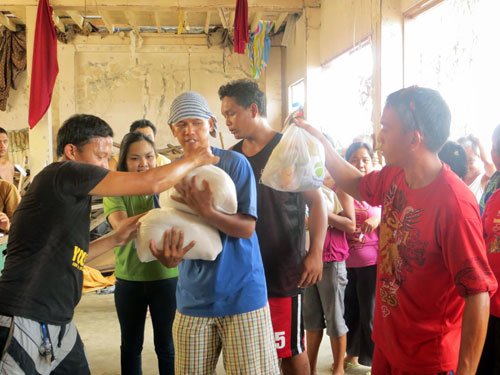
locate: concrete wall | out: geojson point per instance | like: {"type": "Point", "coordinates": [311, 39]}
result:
{"type": "Point", "coordinates": [16, 115]}
{"type": "Point", "coordinates": [343, 25]}
{"type": "Point", "coordinates": [120, 85]}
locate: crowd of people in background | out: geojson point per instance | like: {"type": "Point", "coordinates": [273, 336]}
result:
{"type": "Point", "coordinates": [396, 257]}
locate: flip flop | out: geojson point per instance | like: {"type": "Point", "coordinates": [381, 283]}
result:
{"type": "Point", "coordinates": [348, 364]}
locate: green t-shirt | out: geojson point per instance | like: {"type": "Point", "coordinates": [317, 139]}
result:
{"type": "Point", "coordinates": [127, 264]}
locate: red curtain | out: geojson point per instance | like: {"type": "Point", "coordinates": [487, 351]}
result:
{"type": "Point", "coordinates": [44, 68]}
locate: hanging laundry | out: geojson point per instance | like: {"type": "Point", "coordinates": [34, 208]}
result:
{"type": "Point", "coordinates": [259, 47]}
{"type": "Point", "coordinates": [12, 62]}
{"type": "Point", "coordinates": [44, 69]}
{"type": "Point", "coordinates": [241, 37]}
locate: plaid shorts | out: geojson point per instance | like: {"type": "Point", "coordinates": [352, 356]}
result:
{"type": "Point", "coordinates": [246, 341]}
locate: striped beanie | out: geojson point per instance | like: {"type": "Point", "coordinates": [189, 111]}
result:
{"type": "Point", "coordinates": [190, 104]}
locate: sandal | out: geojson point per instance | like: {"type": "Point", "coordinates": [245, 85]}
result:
{"type": "Point", "coordinates": [348, 364]}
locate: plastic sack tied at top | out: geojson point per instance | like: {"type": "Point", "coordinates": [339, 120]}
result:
{"type": "Point", "coordinates": [179, 215]}
{"type": "Point", "coordinates": [297, 163]}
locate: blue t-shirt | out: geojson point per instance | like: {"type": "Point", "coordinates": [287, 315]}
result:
{"type": "Point", "coordinates": [234, 283]}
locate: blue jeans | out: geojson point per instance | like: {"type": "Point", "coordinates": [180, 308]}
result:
{"type": "Point", "coordinates": [132, 299]}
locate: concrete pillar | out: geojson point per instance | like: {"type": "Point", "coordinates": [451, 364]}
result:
{"type": "Point", "coordinates": [313, 64]}
{"type": "Point", "coordinates": [387, 45]}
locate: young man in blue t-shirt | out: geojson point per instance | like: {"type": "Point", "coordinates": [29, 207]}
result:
{"type": "Point", "coordinates": [221, 304]}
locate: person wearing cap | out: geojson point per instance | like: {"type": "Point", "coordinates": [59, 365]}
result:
{"type": "Point", "coordinates": [433, 278]}
{"type": "Point", "coordinates": [221, 304]}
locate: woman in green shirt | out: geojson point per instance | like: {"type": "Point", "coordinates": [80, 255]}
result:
{"type": "Point", "coordinates": [139, 285]}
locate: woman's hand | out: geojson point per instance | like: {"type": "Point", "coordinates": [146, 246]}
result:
{"type": "Point", "coordinates": [370, 224]}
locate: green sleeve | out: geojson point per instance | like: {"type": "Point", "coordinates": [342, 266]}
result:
{"type": "Point", "coordinates": [113, 204]}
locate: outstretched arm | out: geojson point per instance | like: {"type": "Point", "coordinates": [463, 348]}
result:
{"type": "Point", "coordinates": [154, 181]}
{"type": "Point", "coordinates": [123, 234]}
{"type": "Point", "coordinates": [345, 175]}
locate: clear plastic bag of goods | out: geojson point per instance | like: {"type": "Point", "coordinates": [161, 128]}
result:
{"type": "Point", "coordinates": [297, 163]}
{"type": "Point", "coordinates": [224, 197]}
{"type": "Point", "coordinates": [153, 226]}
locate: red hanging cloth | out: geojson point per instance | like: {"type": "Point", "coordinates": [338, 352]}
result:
{"type": "Point", "coordinates": [241, 26]}
{"type": "Point", "coordinates": [44, 67]}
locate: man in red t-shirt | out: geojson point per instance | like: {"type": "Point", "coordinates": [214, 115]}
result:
{"type": "Point", "coordinates": [433, 278]}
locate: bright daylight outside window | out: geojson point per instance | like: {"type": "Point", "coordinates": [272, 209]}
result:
{"type": "Point", "coordinates": [347, 103]}
{"type": "Point", "coordinates": [453, 47]}
{"type": "Point", "coordinates": [297, 95]}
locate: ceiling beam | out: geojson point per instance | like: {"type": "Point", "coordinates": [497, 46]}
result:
{"type": "Point", "coordinates": [58, 23]}
{"type": "Point", "coordinates": [146, 5]}
{"type": "Point", "coordinates": [223, 18]}
{"type": "Point", "coordinates": [131, 19]}
{"type": "Point", "coordinates": [231, 20]}
{"type": "Point", "coordinates": [7, 22]}
{"type": "Point", "coordinates": [207, 22]}
{"type": "Point", "coordinates": [150, 40]}
{"type": "Point", "coordinates": [180, 24]}
{"type": "Point", "coordinates": [256, 19]}
{"type": "Point", "coordinates": [279, 21]}
{"type": "Point", "coordinates": [157, 22]}
{"type": "Point", "coordinates": [20, 14]}
{"type": "Point", "coordinates": [76, 17]}
{"type": "Point", "coordinates": [186, 23]}
{"type": "Point", "coordinates": [106, 19]}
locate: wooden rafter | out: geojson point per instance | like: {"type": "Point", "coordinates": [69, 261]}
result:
{"type": "Point", "coordinates": [180, 24]}
{"type": "Point", "coordinates": [231, 20]}
{"type": "Point", "coordinates": [279, 21]}
{"type": "Point", "coordinates": [59, 24]}
{"type": "Point", "coordinates": [171, 5]}
{"type": "Point", "coordinates": [106, 19]}
{"type": "Point", "coordinates": [132, 21]}
{"type": "Point", "coordinates": [255, 21]}
{"type": "Point", "coordinates": [224, 15]}
{"type": "Point", "coordinates": [207, 22]}
{"type": "Point", "coordinates": [7, 22]}
{"type": "Point", "coordinates": [157, 22]}
{"type": "Point", "coordinates": [19, 13]}
{"type": "Point", "coordinates": [76, 17]}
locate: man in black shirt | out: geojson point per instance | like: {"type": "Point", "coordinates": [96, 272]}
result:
{"type": "Point", "coordinates": [49, 243]}
{"type": "Point", "coordinates": [281, 224]}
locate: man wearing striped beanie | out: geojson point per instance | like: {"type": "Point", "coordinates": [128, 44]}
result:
{"type": "Point", "coordinates": [221, 304]}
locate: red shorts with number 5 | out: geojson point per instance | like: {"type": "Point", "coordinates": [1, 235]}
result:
{"type": "Point", "coordinates": [286, 315]}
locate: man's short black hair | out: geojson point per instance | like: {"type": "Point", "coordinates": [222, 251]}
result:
{"type": "Point", "coordinates": [424, 110]}
{"type": "Point", "coordinates": [245, 92]}
{"type": "Point", "coordinates": [2, 130]}
{"type": "Point", "coordinates": [454, 155]}
{"type": "Point", "coordinates": [140, 124]}
{"type": "Point", "coordinates": [79, 129]}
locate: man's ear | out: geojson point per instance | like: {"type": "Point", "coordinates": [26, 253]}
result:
{"type": "Point", "coordinates": [212, 131]}
{"type": "Point", "coordinates": [254, 110]}
{"type": "Point", "coordinates": [417, 140]}
{"type": "Point", "coordinates": [70, 151]}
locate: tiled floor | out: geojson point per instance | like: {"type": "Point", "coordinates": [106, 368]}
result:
{"type": "Point", "coordinates": [96, 320]}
